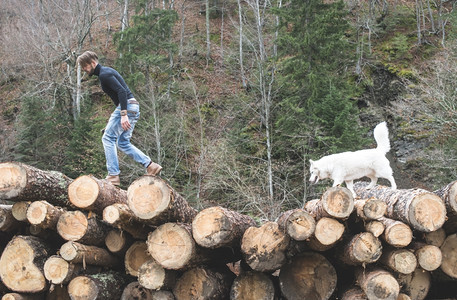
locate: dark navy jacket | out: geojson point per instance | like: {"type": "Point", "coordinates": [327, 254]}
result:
{"type": "Point", "coordinates": [114, 85]}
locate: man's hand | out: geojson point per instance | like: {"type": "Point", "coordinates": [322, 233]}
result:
{"type": "Point", "coordinates": [125, 123]}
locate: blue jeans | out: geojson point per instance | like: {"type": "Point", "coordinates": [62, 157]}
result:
{"type": "Point", "coordinates": [115, 137]}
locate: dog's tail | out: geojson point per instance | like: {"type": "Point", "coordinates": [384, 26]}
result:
{"type": "Point", "coordinates": [381, 135]}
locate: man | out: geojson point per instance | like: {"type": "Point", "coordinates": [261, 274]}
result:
{"type": "Point", "coordinates": [120, 126]}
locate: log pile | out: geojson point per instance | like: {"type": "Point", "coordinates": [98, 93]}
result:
{"type": "Point", "coordinates": [86, 239]}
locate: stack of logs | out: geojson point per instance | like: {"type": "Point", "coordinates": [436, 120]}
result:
{"type": "Point", "coordinates": [87, 239]}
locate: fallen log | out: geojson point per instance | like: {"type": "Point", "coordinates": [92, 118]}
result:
{"type": "Point", "coordinates": [154, 201]}
{"type": "Point", "coordinates": [204, 283]}
{"type": "Point", "coordinates": [297, 223]}
{"type": "Point", "coordinates": [336, 202]}
{"type": "Point", "coordinates": [101, 286]}
{"type": "Point", "coordinates": [91, 194]}
{"type": "Point", "coordinates": [370, 209]}
{"type": "Point", "coordinates": [44, 214]}
{"type": "Point", "coordinates": [327, 233]}
{"type": "Point", "coordinates": [378, 284]}
{"type": "Point", "coordinates": [308, 276]}
{"type": "Point", "coordinates": [252, 285]}
{"type": "Point", "coordinates": [136, 255]}
{"type": "Point", "coordinates": [20, 182]}
{"type": "Point", "coordinates": [217, 227]}
{"type": "Point", "coordinates": [59, 271]}
{"type": "Point", "coordinates": [77, 253]}
{"type": "Point", "coordinates": [420, 209]}
{"type": "Point", "coordinates": [21, 264]}
{"type": "Point", "coordinates": [135, 291]}
{"type": "Point", "coordinates": [363, 248]}
{"type": "Point", "coordinates": [264, 248]}
{"type": "Point", "coordinates": [153, 276]}
{"type": "Point", "coordinates": [121, 216]}
{"type": "Point", "coordinates": [396, 233]}
{"type": "Point", "coordinates": [416, 284]}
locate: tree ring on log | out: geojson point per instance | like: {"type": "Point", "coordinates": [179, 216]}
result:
{"type": "Point", "coordinates": [36, 212]}
{"type": "Point", "coordinates": [449, 251]}
{"type": "Point", "coordinates": [111, 214]}
{"type": "Point", "coordinates": [380, 286]}
{"type": "Point", "coordinates": [83, 287]}
{"type": "Point", "coordinates": [136, 255]}
{"type": "Point", "coordinates": [339, 201]}
{"type": "Point", "coordinates": [72, 225]}
{"type": "Point", "coordinates": [85, 189]}
{"type": "Point", "coordinates": [151, 275]}
{"type": "Point", "coordinates": [368, 247]}
{"type": "Point", "coordinates": [149, 198]}
{"type": "Point", "coordinates": [206, 229]}
{"type": "Point", "coordinates": [56, 269]}
{"type": "Point", "coordinates": [13, 180]}
{"type": "Point", "coordinates": [300, 226]}
{"type": "Point", "coordinates": [427, 212]}
{"type": "Point", "coordinates": [332, 228]}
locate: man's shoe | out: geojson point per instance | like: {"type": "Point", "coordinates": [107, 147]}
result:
{"type": "Point", "coordinates": [153, 169]}
{"type": "Point", "coordinates": [113, 179]}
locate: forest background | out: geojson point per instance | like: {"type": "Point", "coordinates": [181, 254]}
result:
{"type": "Point", "coordinates": [236, 96]}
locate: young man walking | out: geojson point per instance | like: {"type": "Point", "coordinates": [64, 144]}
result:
{"type": "Point", "coordinates": [120, 126]}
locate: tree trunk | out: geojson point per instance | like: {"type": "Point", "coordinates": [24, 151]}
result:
{"type": "Point", "coordinates": [396, 233]}
{"type": "Point", "coordinates": [420, 209]}
{"type": "Point", "coordinates": [7, 221]}
{"type": "Point", "coordinates": [370, 209]}
{"type": "Point", "coordinates": [117, 242]}
{"type": "Point", "coordinates": [153, 276]}
{"type": "Point", "coordinates": [328, 232]}
{"type": "Point", "coordinates": [264, 248]}
{"type": "Point", "coordinates": [20, 182]}
{"type": "Point", "coordinates": [19, 210]}
{"type": "Point", "coordinates": [416, 285]}
{"type": "Point", "coordinates": [136, 256]}
{"type": "Point", "coordinates": [173, 247]}
{"type": "Point", "coordinates": [297, 223]}
{"type": "Point", "coordinates": [59, 271]}
{"type": "Point", "coordinates": [449, 251]}
{"type": "Point", "coordinates": [252, 285]}
{"type": "Point", "coordinates": [449, 196]}
{"type": "Point", "coordinates": [152, 199]}
{"type": "Point", "coordinates": [135, 291]}
{"type": "Point", "coordinates": [102, 286]}
{"type": "Point", "coordinates": [77, 227]}
{"type": "Point", "coordinates": [91, 194]}
{"type": "Point", "coordinates": [375, 227]}
{"type": "Point", "coordinates": [336, 202]}
{"type": "Point", "coordinates": [217, 227]}
{"type": "Point", "coordinates": [363, 248]}
{"type": "Point", "coordinates": [44, 214]}
{"type": "Point", "coordinates": [121, 216]}
{"type": "Point", "coordinates": [429, 257]}
{"type": "Point", "coordinates": [308, 276]}
{"type": "Point", "coordinates": [77, 253]}
{"type": "Point", "coordinates": [21, 264]}
{"type": "Point", "coordinates": [378, 284]}
{"type": "Point", "coordinates": [204, 283]}
{"type": "Point", "coordinates": [399, 260]}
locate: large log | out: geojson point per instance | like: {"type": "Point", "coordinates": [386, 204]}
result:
{"type": "Point", "coordinates": [416, 284]}
{"type": "Point", "coordinates": [136, 255]}
{"type": "Point", "coordinates": [153, 200]}
{"type": "Point", "coordinates": [336, 202]}
{"type": "Point", "coordinates": [297, 223]}
{"type": "Point", "coordinates": [76, 226]}
{"type": "Point", "coordinates": [153, 276]}
{"type": "Point", "coordinates": [396, 233]}
{"type": "Point", "coordinates": [327, 233]}
{"type": "Point", "coordinates": [20, 182]}
{"type": "Point", "coordinates": [308, 276]}
{"type": "Point", "coordinates": [91, 194]}
{"type": "Point", "coordinates": [363, 248]}
{"type": "Point", "coordinates": [252, 285]}
{"type": "Point", "coordinates": [121, 216]}
{"type": "Point", "coordinates": [378, 284]}
{"type": "Point", "coordinates": [173, 247]}
{"type": "Point", "coordinates": [204, 283]}
{"type": "Point", "coordinates": [134, 291]}
{"type": "Point", "coordinates": [420, 209]}
{"type": "Point", "coordinates": [449, 252]}
{"type": "Point", "coordinates": [101, 286]}
{"type": "Point", "coordinates": [21, 264]}
{"type": "Point", "coordinates": [264, 248]}
{"type": "Point", "coordinates": [44, 214]}
{"type": "Point", "coordinates": [216, 227]}
{"type": "Point", "coordinates": [59, 271]}
{"type": "Point", "coordinates": [77, 253]}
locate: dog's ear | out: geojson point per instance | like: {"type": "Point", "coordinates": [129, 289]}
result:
{"type": "Point", "coordinates": [311, 162]}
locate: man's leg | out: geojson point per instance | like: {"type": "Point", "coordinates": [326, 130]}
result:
{"type": "Point", "coordinates": [112, 132]}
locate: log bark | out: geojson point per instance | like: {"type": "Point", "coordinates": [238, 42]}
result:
{"type": "Point", "coordinates": [21, 264]}
{"type": "Point", "coordinates": [216, 227]}
{"type": "Point", "coordinates": [154, 201]}
{"type": "Point", "coordinates": [363, 248]}
{"type": "Point", "coordinates": [336, 202]}
{"type": "Point", "coordinates": [396, 233]}
{"type": "Point", "coordinates": [449, 195]}
{"type": "Point", "coordinates": [102, 286]}
{"type": "Point", "coordinates": [401, 261]}
{"type": "Point", "coordinates": [416, 285]}
{"type": "Point", "coordinates": [420, 209]}
{"type": "Point", "coordinates": [375, 227]}
{"type": "Point", "coordinates": [308, 276]}
{"type": "Point", "coordinates": [19, 210]}
{"type": "Point", "coordinates": [264, 248]}
{"type": "Point", "coordinates": [429, 257]}
{"type": "Point", "coordinates": [135, 291]}
{"type": "Point", "coordinates": [370, 209]}
{"type": "Point", "coordinates": [378, 284]}
{"type": "Point", "coordinates": [153, 276]}
{"type": "Point", "coordinates": [44, 214]}
{"type": "Point", "coordinates": [77, 253]}
{"type": "Point", "coordinates": [204, 283]}
{"type": "Point", "coordinates": [252, 285]}
{"type": "Point", "coordinates": [297, 223]}
{"type": "Point", "coordinates": [327, 233]}
{"type": "Point", "coordinates": [59, 271]}
{"type": "Point", "coordinates": [449, 252]}
{"type": "Point", "coordinates": [173, 247]}
{"type": "Point", "coordinates": [121, 216]}
{"type": "Point", "coordinates": [435, 238]}
{"type": "Point", "coordinates": [91, 194]}
{"type": "Point", "coordinates": [136, 255]}
{"type": "Point", "coordinates": [20, 182]}
{"type": "Point", "coordinates": [76, 226]}
{"type": "Point", "coordinates": [7, 221]}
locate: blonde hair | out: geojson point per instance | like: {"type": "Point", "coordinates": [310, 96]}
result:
{"type": "Point", "coordinates": [87, 58]}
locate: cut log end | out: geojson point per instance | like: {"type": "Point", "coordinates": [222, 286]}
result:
{"type": "Point", "coordinates": [111, 214]}
{"type": "Point", "coordinates": [13, 179]}
{"type": "Point", "coordinates": [72, 225]}
{"type": "Point", "coordinates": [151, 275]}
{"type": "Point", "coordinates": [328, 231]}
{"type": "Point", "coordinates": [252, 286]}
{"type": "Point", "coordinates": [36, 213]}
{"type": "Point", "coordinates": [449, 252]}
{"type": "Point", "coordinates": [83, 191]}
{"type": "Point", "coordinates": [427, 212]}
{"type": "Point", "coordinates": [379, 285]}
{"type": "Point", "coordinates": [338, 201]}
{"type": "Point", "coordinates": [148, 196]}
{"type": "Point", "coordinates": [300, 225]}
{"type": "Point", "coordinates": [210, 226]}
{"type": "Point", "coordinates": [429, 257]}
{"type": "Point", "coordinates": [56, 269]}
{"type": "Point", "coordinates": [398, 235]}
{"type": "Point", "coordinates": [82, 287]}
{"type": "Point", "coordinates": [136, 255]}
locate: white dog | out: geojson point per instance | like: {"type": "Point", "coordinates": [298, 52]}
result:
{"type": "Point", "coordinates": [348, 166]}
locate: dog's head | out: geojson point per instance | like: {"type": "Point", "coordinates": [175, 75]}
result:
{"type": "Point", "coordinates": [317, 173]}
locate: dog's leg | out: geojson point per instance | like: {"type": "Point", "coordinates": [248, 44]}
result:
{"type": "Point", "coordinates": [373, 182]}
{"type": "Point", "coordinates": [350, 186]}
{"type": "Point", "coordinates": [393, 185]}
